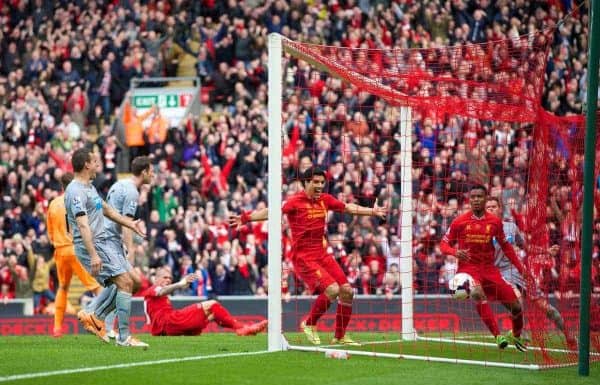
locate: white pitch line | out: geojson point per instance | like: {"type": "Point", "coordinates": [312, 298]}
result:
{"type": "Point", "coordinates": [490, 344]}
{"type": "Point", "coordinates": [124, 366]}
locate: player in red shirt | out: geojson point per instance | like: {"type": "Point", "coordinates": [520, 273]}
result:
{"type": "Point", "coordinates": [306, 212]}
{"type": "Point", "coordinates": [475, 232]}
{"type": "Point", "coordinates": [192, 319]}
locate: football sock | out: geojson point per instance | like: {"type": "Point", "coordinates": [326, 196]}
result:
{"type": "Point", "coordinates": [555, 317]}
{"type": "Point", "coordinates": [318, 309]}
{"type": "Point", "coordinates": [223, 318]}
{"type": "Point", "coordinates": [98, 300]}
{"type": "Point", "coordinates": [123, 305]}
{"type": "Point", "coordinates": [104, 303]}
{"type": "Point", "coordinates": [109, 321]}
{"type": "Point", "coordinates": [517, 323]}
{"type": "Point", "coordinates": [60, 305]}
{"type": "Point", "coordinates": [342, 317]}
{"type": "Point", "coordinates": [487, 316]}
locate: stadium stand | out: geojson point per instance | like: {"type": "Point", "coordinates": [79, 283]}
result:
{"type": "Point", "coordinates": [66, 67]}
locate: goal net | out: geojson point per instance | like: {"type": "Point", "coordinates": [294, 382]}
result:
{"type": "Point", "coordinates": [414, 129]}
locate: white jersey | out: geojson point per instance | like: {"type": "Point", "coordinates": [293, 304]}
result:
{"type": "Point", "coordinates": [507, 269]}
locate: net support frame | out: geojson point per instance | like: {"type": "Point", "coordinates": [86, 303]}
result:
{"type": "Point", "coordinates": [588, 191]}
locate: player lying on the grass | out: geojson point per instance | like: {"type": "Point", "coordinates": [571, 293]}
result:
{"type": "Point", "coordinates": [493, 206]}
{"type": "Point", "coordinates": [475, 231]}
{"type": "Point", "coordinates": [306, 212]}
{"type": "Point", "coordinates": [192, 319]}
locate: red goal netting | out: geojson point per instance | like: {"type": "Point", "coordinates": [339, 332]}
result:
{"type": "Point", "coordinates": [475, 118]}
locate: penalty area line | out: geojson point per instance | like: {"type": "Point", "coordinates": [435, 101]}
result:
{"type": "Point", "coordinates": [124, 365]}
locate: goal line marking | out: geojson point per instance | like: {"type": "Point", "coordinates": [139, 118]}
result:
{"type": "Point", "coordinates": [124, 365]}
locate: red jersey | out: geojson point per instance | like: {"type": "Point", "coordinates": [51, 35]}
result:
{"type": "Point", "coordinates": [156, 309]}
{"type": "Point", "coordinates": [476, 235]}
{"type": "Point", "coordinates": [307, 219]}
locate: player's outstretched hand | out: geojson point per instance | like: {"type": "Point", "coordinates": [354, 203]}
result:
{"type": "Point", "coordinates": [553, 250]}
{"type": "Point", "coordinates": [185, 281]}
{"type": "Point", "coordinates": [139, 227]}
{"type": "Point", "coordinates": [380, 211]}
{"type": "Point", "coordinates": [192, 277]}
{"type": "Point", "coordinates": [235, 221]}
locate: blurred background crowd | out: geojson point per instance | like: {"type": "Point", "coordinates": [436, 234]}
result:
{"type": "Point", "coordinates": [65, 68]}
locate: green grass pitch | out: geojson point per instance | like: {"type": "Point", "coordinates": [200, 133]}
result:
{"type": "Point", "coordinates": [179, 363]}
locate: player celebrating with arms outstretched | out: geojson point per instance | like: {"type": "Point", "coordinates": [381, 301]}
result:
{"type": "Point", "coordinates": [475, 232]}
{"type": "Point", "coordinates": [306, 212]}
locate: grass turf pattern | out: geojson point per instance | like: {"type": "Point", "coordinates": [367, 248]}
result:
{"type": "Point", "coordinates": [23, 355]}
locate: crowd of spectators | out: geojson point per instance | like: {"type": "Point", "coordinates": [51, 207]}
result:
{"type": "Point", "coordinates": [66, 66]}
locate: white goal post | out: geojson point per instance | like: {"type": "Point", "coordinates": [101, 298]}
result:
{"type": "Point", "coordinates": [274, 182]}
{"type": "Point", "coordinates": [275, 131]}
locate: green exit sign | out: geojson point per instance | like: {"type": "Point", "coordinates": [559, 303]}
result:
{"type": "Point", "coordinates": [162, 100]}
{"type": "Point", "coordinates": [145, 101]}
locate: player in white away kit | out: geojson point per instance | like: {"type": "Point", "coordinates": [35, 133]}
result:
{"type": "Point", "coordinates": [85, 215]}
{"type": "Point", "coordinates": [513, 235]}
{"type": "Point", "coordinates": [123, 196]}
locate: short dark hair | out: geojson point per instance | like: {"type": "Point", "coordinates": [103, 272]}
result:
{"type": "Point", "coordinates": [495, 199]}
{"type": "Point", "coordinates": [478, 186]}
{"type": "Point", "coordinates": [310, 173]}
{"type": "Point", "coordinates": [139, 164]}
{"type": "Point", "coordinates": [65, 179]}
{"type": "Point", "coordinates": [80, 158]}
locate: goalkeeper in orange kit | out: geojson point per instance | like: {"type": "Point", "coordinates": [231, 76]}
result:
{"type": "Point", "coordinates": [64, 256]}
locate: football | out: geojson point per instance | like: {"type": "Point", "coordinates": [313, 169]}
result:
{"type": "Point", "coordinates": [460, 286]}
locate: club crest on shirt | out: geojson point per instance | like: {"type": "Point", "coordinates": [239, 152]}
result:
{"type": "Point", "coordinates": [77, 203]}
{"type": "Point", "coordinates": [488, 229]}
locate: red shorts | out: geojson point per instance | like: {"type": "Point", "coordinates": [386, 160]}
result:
{"type": "Point", "coordinates": [189, 321]}
{"type": "Point", "coordinates": [494, 285]}
{"type": "Point", "coordinates": [318, 271]}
